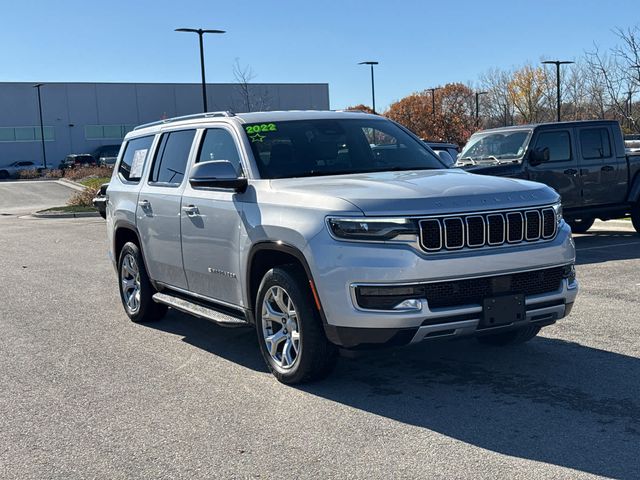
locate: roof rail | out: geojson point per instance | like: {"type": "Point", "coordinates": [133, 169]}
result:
{"type": "Point", "coordinates": [225, 113]}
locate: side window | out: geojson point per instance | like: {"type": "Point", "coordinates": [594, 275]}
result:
{"type": "Point", "coordinates": [133, 158]}
{"type": "Point", "coordinates": [558, 143]}
{"type": "Point", "coordinates": [594, 143]}
{"type": "Point", "coordinates": [171, 158]}
{"type": "Point", "coordinates": [218, 144]}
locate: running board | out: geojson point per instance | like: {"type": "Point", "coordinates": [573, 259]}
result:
{"type": "Point", "coordinates": [199, 310]}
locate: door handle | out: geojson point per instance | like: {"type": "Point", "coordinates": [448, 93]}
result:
{"type": "Point", "coordinates": [571, 171]}
{"type": "Point", "coordinates": [144, 203]}
{"type": "Point", "coordinates": [191, 210]}
{"type": "Point", "coordinates": [607, 168]}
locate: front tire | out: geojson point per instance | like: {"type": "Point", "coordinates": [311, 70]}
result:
{"type": "Point", "coordinates": [135, 288]}
{"type": "Point", "coordinates": [581, 225]}
{"type": "Point", "coordinates": [512, 337]}
{"type": "Point", "coordinates": [635, 216]}
{"type": "Point", "coordinates": [289, 328]}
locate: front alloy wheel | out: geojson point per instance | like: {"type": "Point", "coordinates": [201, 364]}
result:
{"type": "Point", "coordinates": [280, 327]}
{"type": "Point", "coordinates": [289, 327]}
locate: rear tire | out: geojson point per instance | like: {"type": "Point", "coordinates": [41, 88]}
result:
{"type": "Point", "coordinates": [289, 328]}
{"type": "Point", "coordinates": [635, 216]}
{"type": "Point", "coordinates": [513, 337]}
{"type": "Point", "coordinates": [135, 288]}
{"type": "Point", "coordinates": [581, 225]}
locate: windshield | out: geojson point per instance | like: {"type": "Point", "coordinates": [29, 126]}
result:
{"type": "Point", "coordinates": [496, 146]}
{"type": "Point", "coordinates": [303, 148]}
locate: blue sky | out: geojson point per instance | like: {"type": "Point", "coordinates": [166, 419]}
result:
{"type": "Point", "coordinates": [419, 44]}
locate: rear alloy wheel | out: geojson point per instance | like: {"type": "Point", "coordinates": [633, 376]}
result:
{"type": "Point", "coordinates": [135, 288]}
{"type": "Point", "coordinates": [512, 337]}
{"type": "Point", "coordinates": [581, 225]}
{"type": "Point", "coordinates": [289, 328]}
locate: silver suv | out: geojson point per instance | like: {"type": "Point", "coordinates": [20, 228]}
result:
{"type": "Point", "coordinates": [327, 230]}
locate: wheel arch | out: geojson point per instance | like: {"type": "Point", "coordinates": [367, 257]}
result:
{"type": "Point", "coordinates": [268, 254]}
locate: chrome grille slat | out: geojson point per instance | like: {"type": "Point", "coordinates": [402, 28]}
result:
{"type": "Point", "coordinates": [487, 229]}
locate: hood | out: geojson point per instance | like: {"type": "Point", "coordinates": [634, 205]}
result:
{"type": "Point", "coordinates": [422, 192]}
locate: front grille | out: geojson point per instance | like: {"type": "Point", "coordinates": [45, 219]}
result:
{"type": "Point", "coordinates": [487, 229]}
{"type": "Point", "coordinates": [457, 293]}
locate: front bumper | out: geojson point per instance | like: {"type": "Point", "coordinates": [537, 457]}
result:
{"type": "Point", "coordinates": [338, 266]}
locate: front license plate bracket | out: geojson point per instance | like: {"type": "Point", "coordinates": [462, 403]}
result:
{"type": "Point", "coordinates": [502, 310]}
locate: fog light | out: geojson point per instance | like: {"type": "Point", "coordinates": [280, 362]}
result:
{"type": "Point", "coordinates": [409, 304]}
{"type": "Point", "coordinates": [569, 272]}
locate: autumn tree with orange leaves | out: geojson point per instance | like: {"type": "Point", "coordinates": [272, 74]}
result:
{"type": "Point", "coordinates": [452, 120]}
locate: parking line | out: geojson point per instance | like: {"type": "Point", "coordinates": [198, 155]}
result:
{"type": "Point", "coordinates": [607, 246]}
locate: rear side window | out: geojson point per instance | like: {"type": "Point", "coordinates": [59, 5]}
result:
{"type": "Point", "coordinates": [594, 143]}
{"type": "Point", "coordinates": [171, 158]}
{"type": "Point", "coordinates": [134, 157]}
{"type": "Point", "coordinates": [218, 144]}
{"type": "Point", "coordinates": [558, 143]}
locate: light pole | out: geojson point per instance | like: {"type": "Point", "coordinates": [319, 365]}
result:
{"type": "Point", "coordinates": [200, 33]}
{"type": "Point", "coordinates": [478, 107]}
{"type": "Point", "coordinates": [373, 88]}
{"type": "Point", "coordinates": [44, 151]}
{"type": "Point", "coordinates": [557, 63]}
{"type": "Point", "coordinates": [433, 100]}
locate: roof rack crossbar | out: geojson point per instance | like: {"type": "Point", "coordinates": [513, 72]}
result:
{"type": "Point", "coordinates": [193, 116]}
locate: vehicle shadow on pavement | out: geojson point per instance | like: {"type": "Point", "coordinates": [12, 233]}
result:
{"type": "Point", "coordinates": [549, 400]}
{"type": "Point", "coordinates": [603, 246]}
{"type": "Point", "coordinates": [238, 344]}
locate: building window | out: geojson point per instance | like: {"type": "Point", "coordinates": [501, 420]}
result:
{"type": "Point", "coordinates": [26, 134]}
{"type": "Point", "coordinates": [101, 132]}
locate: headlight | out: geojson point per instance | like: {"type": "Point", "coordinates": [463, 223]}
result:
{"type": "Point", "coordinates": [557, 208]}
{"type": "Point", "coordinates": [371, 229]}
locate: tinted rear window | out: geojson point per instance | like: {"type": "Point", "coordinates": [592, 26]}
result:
{"type": "Point", "coordinates": [172, 156]}
{"type": "Point", "coordinates": [134, 158]}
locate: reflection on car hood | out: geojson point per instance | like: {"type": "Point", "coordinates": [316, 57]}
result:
{"type": "Point", "coordinates": [422, 192]}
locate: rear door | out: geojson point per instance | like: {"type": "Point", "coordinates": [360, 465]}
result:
{"type": "Point", "coordinates": [561, 171]}
{"type": "Point", "coordinates": [158, 212]}
{"type": "Point", "coordinates": [211, 225]}
{"type": "Point", "coordinates": [599, 168]}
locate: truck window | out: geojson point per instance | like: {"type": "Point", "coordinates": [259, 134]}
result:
{"type": "Point", "coordinates": [218, 144]}
{"type": "Point", "coordinates": [558, 143]}
{"type": "Point", "coordinates": [171, 158]}
{"type": "Point", "coordinates": [594, 143]}
{"type": "Point", "coordinates": [133, 159]}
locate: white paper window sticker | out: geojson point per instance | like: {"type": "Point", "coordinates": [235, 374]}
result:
{"type": "Point", "coordinates": [137, 165]}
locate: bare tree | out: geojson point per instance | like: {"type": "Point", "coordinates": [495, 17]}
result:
{"type": "Point", "coordinates": [243, 76]}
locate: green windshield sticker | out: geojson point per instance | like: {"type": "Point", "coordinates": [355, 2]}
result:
{"type": "Point", "coordinates": [263, 127]}
{"type": "Point", "coordinates": [256, 137]}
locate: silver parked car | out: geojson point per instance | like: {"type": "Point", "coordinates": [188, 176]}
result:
{"type": "Point", "coordinates": [12, 170]}
{"type": "Point", "coordinates": [330, 229]}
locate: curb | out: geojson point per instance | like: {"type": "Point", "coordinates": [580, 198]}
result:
{"type": "Point", "coordinates": [66, 215]}
{"type": "Point", "coordinates": [71, 184]}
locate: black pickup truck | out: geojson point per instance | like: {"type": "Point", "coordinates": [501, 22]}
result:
{"type": "Point", "coordinates": [584, 161]}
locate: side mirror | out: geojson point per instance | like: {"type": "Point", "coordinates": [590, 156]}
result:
{"type": "Point", "coordinates": [539, 155]}
{"type": "Point", "coordinates": [446, 158]}
{"type": "Point", "coordinates": [217, 174]}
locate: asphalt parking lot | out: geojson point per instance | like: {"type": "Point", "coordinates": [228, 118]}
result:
{"type": "Point", "coordinates": [85, 393]}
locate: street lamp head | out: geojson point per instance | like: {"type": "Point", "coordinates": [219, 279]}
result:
{"type": "Point", "coordinates": [482, 93]}
{"type": "Point", "coordinates": [37, 85]}
{"type": "Point", "coordinates": [199, 31]}
{"type": "Point", "coordinates": [368, 63]}
{"type": "Point", "coordinates": [557, 62]}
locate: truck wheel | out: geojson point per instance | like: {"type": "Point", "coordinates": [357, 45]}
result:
{"type": "Point", "coordinates": [635, 216]}
{"type": "Point", "coordinates": [512, 337]}
{"type": "Point", "coordinates": [4, 174]}
{"type": "Point", "coordinates": [135, 288]}
{"type": "Point", "coordinates": [581, 225]}
{"type": "Point", "coordinates": [290, 333]}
